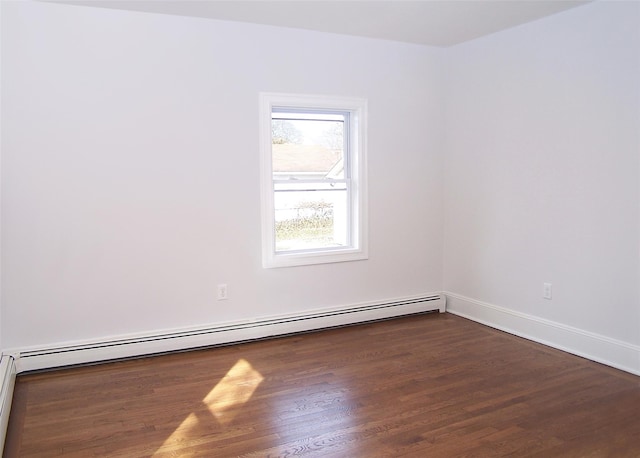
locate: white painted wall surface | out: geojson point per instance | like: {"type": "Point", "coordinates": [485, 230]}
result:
{"type": "Point", "coordinates": [542, 170]}
{"type": "Point", "coordinates": [130, 178]}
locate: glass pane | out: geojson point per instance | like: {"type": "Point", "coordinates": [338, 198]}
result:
{"type": "Point", "coordinates": [310, 219]}
{"type": "Point", "coordinates": [307, 148]}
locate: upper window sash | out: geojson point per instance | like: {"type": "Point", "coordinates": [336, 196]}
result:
{"type": "Point", "coordinates": [281, 113]}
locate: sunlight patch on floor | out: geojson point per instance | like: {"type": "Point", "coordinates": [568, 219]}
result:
{"type": "Point", "coordinates": [182, 433]}
{"type": "Point", "coordinates": [233, 390]}
{"type": "Point", "coordinates": [224, 402]}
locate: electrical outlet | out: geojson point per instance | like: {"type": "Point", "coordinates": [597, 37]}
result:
{"type": "Point", "coordinates": [222, 292]}
{"type": "Point", "coordinates": [546, 291]}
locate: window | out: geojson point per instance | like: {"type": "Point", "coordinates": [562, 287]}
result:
{"type": "Point", "coordinates": [313, 179]}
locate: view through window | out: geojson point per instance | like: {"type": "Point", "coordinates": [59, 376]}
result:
{"type": "Point", "coordinates": [311, 179]}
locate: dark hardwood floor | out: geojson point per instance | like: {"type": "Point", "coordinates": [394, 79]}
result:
{"type": "Point", "coordinates": [424, 386]}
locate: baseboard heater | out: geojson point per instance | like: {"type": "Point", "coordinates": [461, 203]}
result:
{"type": "Point", "coordinates": [184, 339]}
{"type": "Point", "coordinates": [7, 382]}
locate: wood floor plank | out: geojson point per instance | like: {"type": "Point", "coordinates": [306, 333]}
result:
{"type": "Point", "coordinates": [432, 385]}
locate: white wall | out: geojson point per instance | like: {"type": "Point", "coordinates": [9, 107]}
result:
{"type": "Point", "coordinates": [130, 178]}
{"type": "Point", "coordinates": [542, 173]}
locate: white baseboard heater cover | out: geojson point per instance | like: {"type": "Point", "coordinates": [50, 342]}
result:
{"type": "Point", "coordinates": [177, 340]}
{"type": "Point", "coordinates": [7, 381]}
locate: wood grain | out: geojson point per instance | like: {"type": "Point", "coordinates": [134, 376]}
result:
{"type": "Point", "coordinates": [430, 385]}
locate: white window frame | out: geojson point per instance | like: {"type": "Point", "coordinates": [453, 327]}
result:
{"type": "Point", "coordinates": [357, 249]}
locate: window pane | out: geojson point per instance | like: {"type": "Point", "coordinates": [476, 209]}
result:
{"type": "Point", "coordinates": [310, 219]}
{"type": "Point", "coordinates": [307, 148]}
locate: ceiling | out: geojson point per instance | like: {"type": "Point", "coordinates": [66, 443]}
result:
{"type": "Point", "coordinates": [426, 22]}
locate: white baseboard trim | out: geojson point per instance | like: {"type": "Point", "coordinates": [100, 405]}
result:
{"type": "Point", "coordinates": [117, 347]}
{"type": "Point", "coordinates": [7, 382]}
{"type": "Point", "coordinates": [598, 348]}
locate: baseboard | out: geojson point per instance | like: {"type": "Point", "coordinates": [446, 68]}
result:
{"type": "Point", "coordinates": [7, 382]}
{"type": "Point", "coordinates": [118, 347]}
{"type": "Point", "coordinates": [602, 349]}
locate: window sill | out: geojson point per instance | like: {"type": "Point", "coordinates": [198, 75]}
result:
{"type": "Point", "coordinates": [311, 258]}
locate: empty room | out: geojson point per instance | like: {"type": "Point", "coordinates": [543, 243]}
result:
{"type": "Point", "coordinates": [320, 228]}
